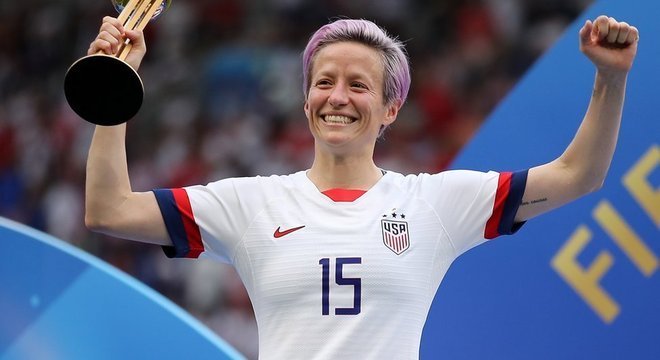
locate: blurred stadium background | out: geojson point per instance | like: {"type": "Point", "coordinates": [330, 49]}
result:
{"type": "Point", "coordinates": [223, 98]}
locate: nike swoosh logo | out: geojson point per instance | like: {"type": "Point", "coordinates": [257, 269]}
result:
{"type": "Point", "coordinates": [278, 234]}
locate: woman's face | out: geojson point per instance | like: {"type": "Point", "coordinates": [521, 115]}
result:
{"type": "Point", "coordinates": [345, 106]}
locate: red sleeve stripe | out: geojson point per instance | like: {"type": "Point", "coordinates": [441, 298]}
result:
{"type": "Point", "coordinates": [510, 190]}
{"type": "Point", "coordinates": [500, 197]}
{"type": "Point", "coordinates": [192, 230]}
{"type": "Point", "coordinates": [179, 219]}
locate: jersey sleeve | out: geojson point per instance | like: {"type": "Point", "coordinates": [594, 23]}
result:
{"type": "Point", "coordinates": [180, 222]}
{"type": "Point", "coordinates": [208, 220]}
{"type": "Point", "coordinates": [508, 196]}
{"type": "Point", "coordinates": [475, 206]}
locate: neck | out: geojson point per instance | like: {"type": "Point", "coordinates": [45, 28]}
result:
{"type": "Point", "coordinates": [345, 172]}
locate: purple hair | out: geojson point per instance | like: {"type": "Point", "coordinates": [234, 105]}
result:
{"type": "Point", "coordinates": [397, 71]}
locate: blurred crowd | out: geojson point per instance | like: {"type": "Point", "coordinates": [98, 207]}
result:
{"type": "Point", "coordinates": [224, 98]}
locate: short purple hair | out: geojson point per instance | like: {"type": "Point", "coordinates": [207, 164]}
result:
{"type": "Point", "coordinates": [396, 77]}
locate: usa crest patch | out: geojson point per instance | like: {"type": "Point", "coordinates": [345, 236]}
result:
{"type": "Point", "coordinates": [395, 235]}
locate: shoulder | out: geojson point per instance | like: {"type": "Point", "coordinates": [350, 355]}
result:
{"type": "Point", "coordinates": [445, 181]}
{"type": "Point", "coordinates": [448, 175]}
{"type": "Point", "coordinates": [256, 182]}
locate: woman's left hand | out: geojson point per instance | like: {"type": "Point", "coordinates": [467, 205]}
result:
{"type": "Point", "coordinates": [609, 44]}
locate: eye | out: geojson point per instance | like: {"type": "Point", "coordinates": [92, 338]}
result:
{"type": "Point", "coordinates": [322, 83]}
{"type": "Point", "coordinates": [359, 85]}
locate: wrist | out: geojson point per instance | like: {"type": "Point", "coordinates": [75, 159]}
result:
{"type": "Point", "coordinates": [611, 76]}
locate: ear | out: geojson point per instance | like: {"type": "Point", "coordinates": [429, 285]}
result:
{"type": "Point", "coordinates": [392, 112]}
{"type": "Point", "coordinates": [306, 108]}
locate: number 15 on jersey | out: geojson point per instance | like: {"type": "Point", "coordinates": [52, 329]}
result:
{"type": "Point", "coordinates": [326, 264]}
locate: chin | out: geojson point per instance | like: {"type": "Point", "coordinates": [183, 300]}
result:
{"type": "Point", "coordinates": [336, 140]}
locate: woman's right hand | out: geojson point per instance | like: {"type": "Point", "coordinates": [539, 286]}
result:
{"type": "Point", "coordinates": [112, 34]}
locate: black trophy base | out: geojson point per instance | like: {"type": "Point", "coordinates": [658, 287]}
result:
{"type": "Point", "coordinates": [103, 90]}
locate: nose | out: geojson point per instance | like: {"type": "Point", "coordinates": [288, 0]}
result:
{"type": "Point", "coordinates": [338, 96]}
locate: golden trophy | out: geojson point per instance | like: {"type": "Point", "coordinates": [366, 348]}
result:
{"type": "Point", "coordinates": [104, 89]}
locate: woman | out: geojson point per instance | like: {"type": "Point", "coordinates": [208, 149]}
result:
{"type": "Point", "coordinates": [343, 260]}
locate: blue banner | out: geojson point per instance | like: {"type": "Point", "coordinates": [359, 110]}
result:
{"type": "Point", "coordinates": [58, 302]}
{"type": "Point", "coordinates": [582, 282]}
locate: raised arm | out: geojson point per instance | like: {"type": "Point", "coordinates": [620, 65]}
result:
{"type": "Point", "coordinates": [111, 207]}
{"type": "Point", "coordinates": [581, 169]}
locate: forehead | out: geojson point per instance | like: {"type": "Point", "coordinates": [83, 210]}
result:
{"type": "Point", "coordinates": [350, 57]}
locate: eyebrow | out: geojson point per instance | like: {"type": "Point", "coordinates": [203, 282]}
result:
{"type": "Point", "coordinates": [352, 76]}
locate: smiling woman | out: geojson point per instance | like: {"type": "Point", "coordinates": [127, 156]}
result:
{"type": "Point", "coordinates": [342, 260]}
{"type": "Point", "coordinates": [345, 106]}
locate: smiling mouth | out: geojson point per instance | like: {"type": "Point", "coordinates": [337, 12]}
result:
{"type": "Point", "coordinates": [337, 119]}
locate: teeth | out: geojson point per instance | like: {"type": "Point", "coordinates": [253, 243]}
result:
{"type": "Point", "coordinates": [338, 119]}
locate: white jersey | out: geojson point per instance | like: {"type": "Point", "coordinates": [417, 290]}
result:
{"type": "Point", "coordinates": [341, 279]}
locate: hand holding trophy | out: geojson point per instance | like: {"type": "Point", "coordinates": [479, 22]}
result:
{"type": "Point", "coordinates": [104, 89]}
